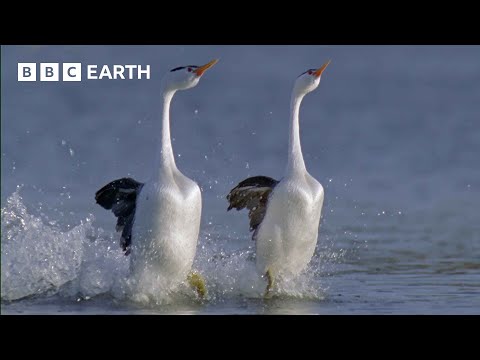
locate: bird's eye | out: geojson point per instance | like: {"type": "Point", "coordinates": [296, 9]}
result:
{"type": "Point", "coordinates": [310, 72]}
{"type": "Point", "coordinates": [189, 69]}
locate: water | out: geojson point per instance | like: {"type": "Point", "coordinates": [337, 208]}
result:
{"type": "Point", "coordinates": [392, 133]}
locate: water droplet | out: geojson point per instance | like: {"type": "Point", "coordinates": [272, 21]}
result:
{"type": "Point", "coordinates": [247, 166]}
{"type": "Point", "coordinates": [196, 111]}
{"type": "Point", "coordinates": [71, 152]}
{"type": "Point", "coordinates": [330, 180]}
{"type": "Point", "coordinates": [64, 143]}
{"type": "Point", "coordinates": [206, 157]}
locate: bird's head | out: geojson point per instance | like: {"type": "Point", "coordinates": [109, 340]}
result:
{"type": "Point", "coordinates": [309, 80]}
{"type": "Point", "coordinates": [186, 77]}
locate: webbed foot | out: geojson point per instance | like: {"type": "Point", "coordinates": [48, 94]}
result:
{"type": "Point", "coordinates": [197, 282]}
{"type": "Point", "coordinates": [270, 284]}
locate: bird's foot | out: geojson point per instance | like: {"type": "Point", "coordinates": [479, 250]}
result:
{"type": "Point", "coordinates": [270, 284]}
{"type": "Point", "coordinates": [197, 282]}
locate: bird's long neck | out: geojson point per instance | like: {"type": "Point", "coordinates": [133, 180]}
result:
{"type": "Point", "coordinates": [295, 157]}
{"type": "Point", "coordinates": [166, 160]}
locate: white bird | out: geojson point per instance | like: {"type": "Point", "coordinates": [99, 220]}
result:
{"type": "Point", "coordinates": [160, 219]}
{"type": "Point", "coordinates": [284, 215]}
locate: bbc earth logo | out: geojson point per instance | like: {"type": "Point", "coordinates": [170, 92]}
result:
{"type": "Point", "coordinates": [73, 72]}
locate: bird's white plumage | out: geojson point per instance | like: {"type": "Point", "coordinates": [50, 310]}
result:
{"type": "Point", "coordinates": [166, 228]}
{"type": "Point", "coordinates": [287, 236]}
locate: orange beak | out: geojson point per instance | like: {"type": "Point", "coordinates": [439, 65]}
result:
{"type": "Point", "coordinates": [200, 70]}
{"type": "Point", "coordinates": [320, 70]}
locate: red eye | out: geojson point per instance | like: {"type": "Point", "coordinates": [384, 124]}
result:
{"type": "Point", "coordinates": [189, 69]}
{"type": "Point", "coordinates": [310, 72]}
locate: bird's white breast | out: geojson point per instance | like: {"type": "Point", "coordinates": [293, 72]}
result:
{"type": "Point", "coordinates": [166, 228]}
{"type": "Point", "coordinates": [288, 234]}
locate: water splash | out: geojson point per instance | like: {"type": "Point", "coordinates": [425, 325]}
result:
{"type": "Point", "coordinates": [231, 272]}
{"type": "Point", "coordinates": [40, 259]}
{"type": "Point", "coordinates": [36, 258]}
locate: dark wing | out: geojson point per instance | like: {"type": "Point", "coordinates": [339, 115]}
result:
{"type": "Point", "coordinates": [253, 194]}
{"type": "Point", "coordinates": [120, 196]}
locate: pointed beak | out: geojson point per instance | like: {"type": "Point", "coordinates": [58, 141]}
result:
{"type": "Point", "coordinates": [200, 70]}
{"type": "Point", "coordinates": [320, 70]}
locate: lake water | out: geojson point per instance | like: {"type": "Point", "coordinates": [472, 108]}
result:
{"type": "Point", "coordinates": [392, 133]}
